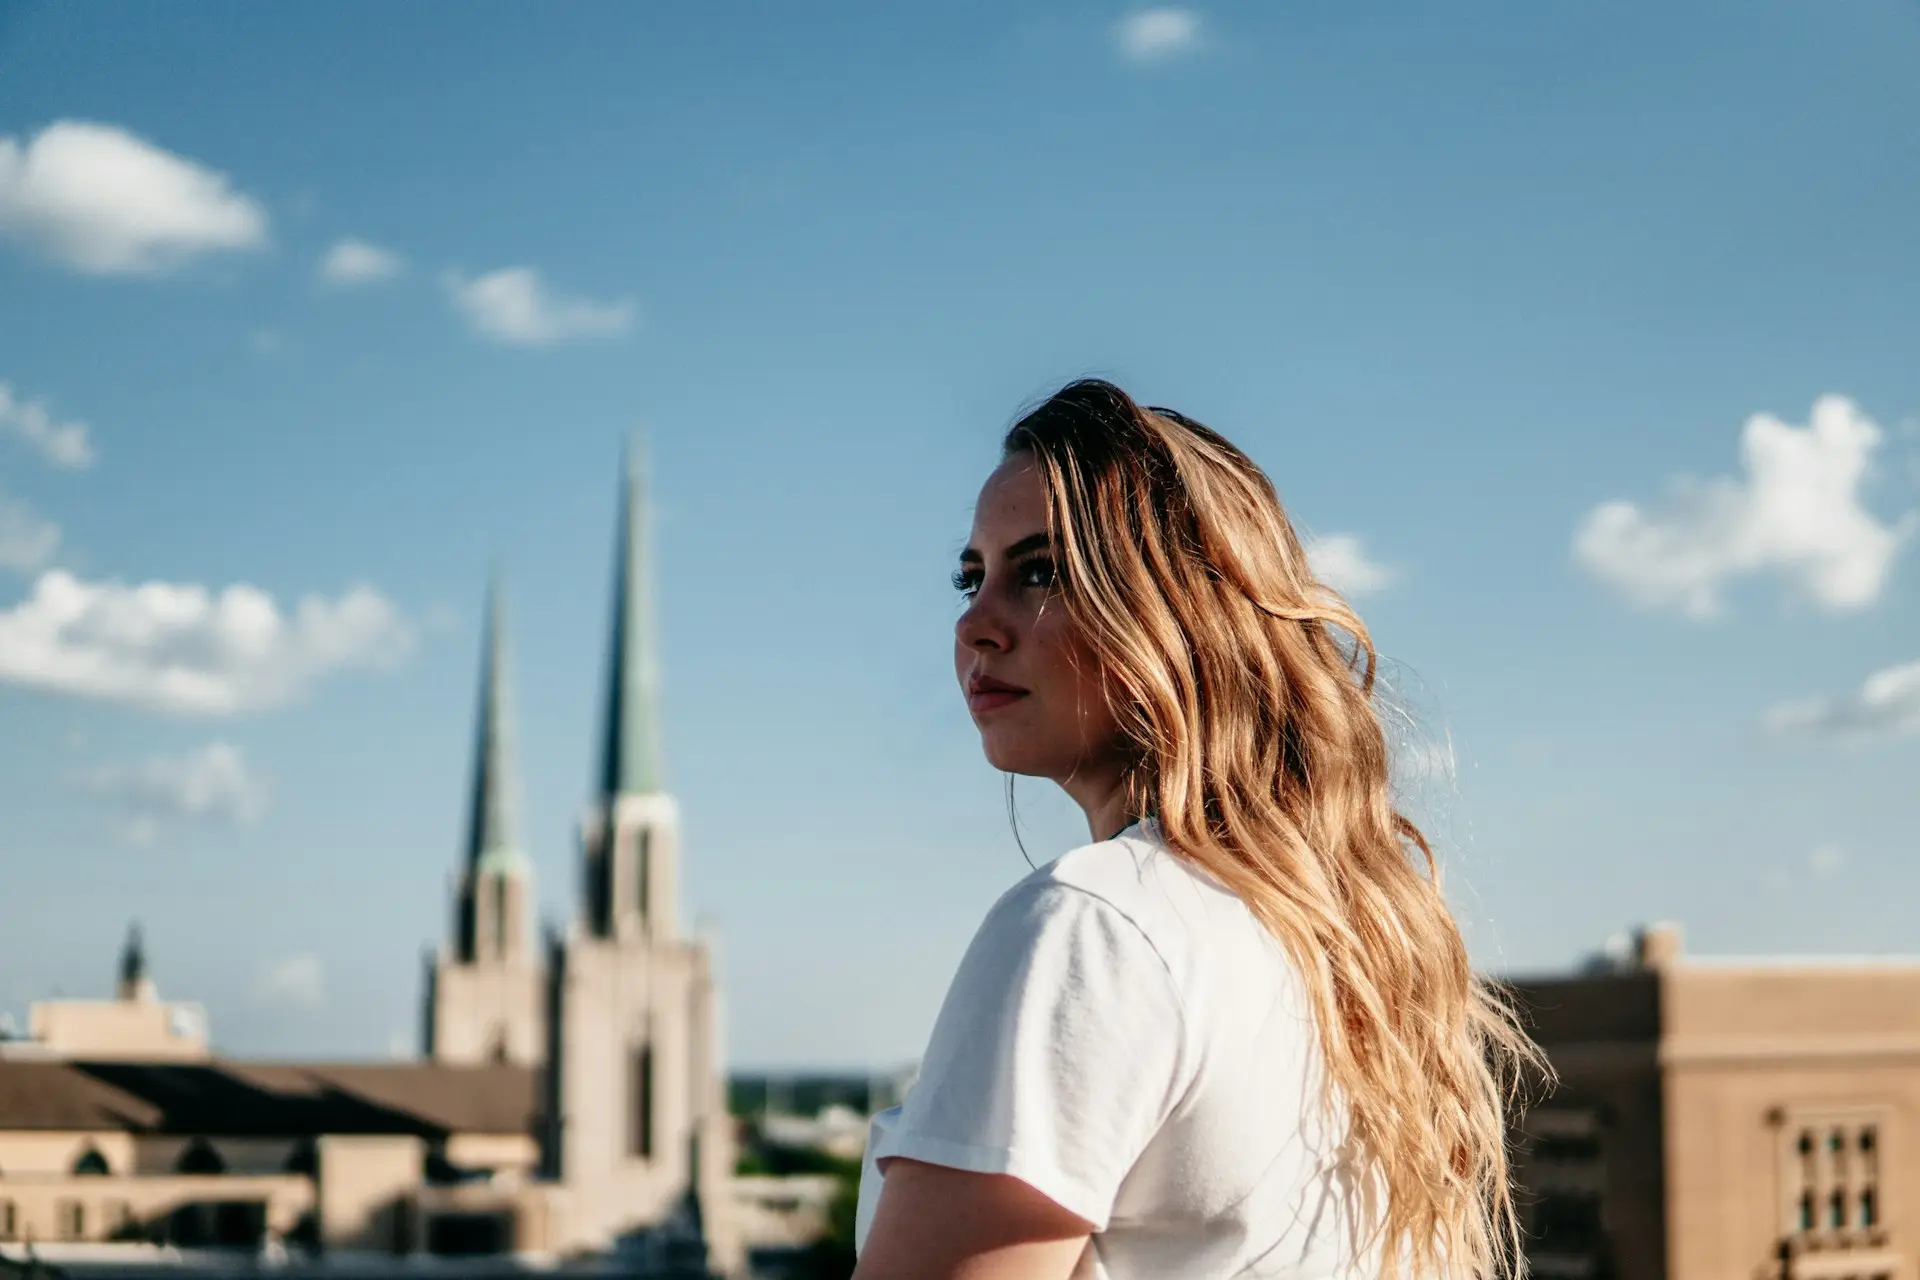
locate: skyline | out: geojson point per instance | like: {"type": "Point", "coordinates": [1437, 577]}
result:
{"type": "Point", "coordinates": [1582, 346]}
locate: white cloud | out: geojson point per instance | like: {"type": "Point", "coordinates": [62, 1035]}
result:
{"type": "Point", "coordinates": [179, 647]}
{"type": "Point", "coordinates": [105, 202]}
{"type": "Point", "coordinates": [513, 305]}
{"type": "Point", "coordinates": [298, 981]}
{"type": "Point", "coordinates": [1886, 705]}
{"type": "Point", "coordinates": [1155, 35]}
{"type": "Point", "coordinates": [214, 784]}
{"type": "Point", "coordinates": [26, 541]}
{"type": "Point", "coordinates": [1824, 862]}
{"type": "Point", "coordinates": [353, 262]}
{"type": "Point", "coordinates": [1796, 514]}
{"type": "Point", "coordinates": [1340, 560]}
{"type": "Point", "coordinates": [64, 444]}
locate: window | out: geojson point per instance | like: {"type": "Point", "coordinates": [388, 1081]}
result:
{"type": "Point", "coordinates": [499, 920]}
{"type": "Point", "coordinates": [9, 1220]}
{"type": "Point", "coordinates": [72, 1216]}
{"type": "Point", "coordinates": [640, 1092]}
{"type": "Point", "coordinates": [304, 1158]}
{"type": "Point", "coordinates": [1564, 1177]}
{"type": "Point", "coordinates": [642, 869]}
{"type": "Point", "coordinates": [200, 1158]}
{"type": "Point", "coordinates": [1831, 1192]}
{"type": "Point", "coordinates": [91, 1164]}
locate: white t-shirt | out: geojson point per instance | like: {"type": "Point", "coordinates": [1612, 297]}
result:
{"type": "Point", "coordinates": [1126, 1037]}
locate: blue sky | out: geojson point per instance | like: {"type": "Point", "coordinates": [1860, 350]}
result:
{"type": "Point", "coordinates": [1493, 292]}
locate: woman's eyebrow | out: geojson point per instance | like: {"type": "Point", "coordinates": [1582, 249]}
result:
{"type": "Point", "coordinates": [1032, 542]}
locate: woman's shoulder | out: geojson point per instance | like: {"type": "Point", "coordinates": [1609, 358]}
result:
{"type": "Point", "coordinates": [1183, 911]}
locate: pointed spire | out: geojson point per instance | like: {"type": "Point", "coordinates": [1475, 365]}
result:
{"type": "Point", "coordinates": [631, 763]}
{"type": "Point", "coordinates": [492, 842]}
{"type": "Point", "coordinates": [133, 957]}
{"type": "Point", "coordinates": [134, 983]}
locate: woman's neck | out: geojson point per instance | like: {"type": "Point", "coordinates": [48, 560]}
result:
{"type": "Point", "coordinates": [1105, 800]}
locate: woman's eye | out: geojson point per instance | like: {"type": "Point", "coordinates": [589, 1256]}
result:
{"type": "Point", "coordinates": [1039, 573]}
{"type": "Point", "coordinates": [966, 581]}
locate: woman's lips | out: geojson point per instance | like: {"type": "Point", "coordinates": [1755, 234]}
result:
{"type": "Point", "coordinates": [986, 694]}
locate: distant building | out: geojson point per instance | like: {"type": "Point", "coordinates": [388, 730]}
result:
{"type": "Point", "coordinates": [135, 1025]}
{"type": "Point", "coordinates": [572, 1098]}
{"type": "Point", "coordinates": [1725, 1119]}
{"type": "Point", "coordinates": [807, 1093]}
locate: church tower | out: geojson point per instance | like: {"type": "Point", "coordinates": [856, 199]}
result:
{"type": "Point", "coordinates": [135, 985]}
{"type": "Point", "coordinates": [637, 1122]}
{"type": "Point", "coordinates": [486, 994]}
{"type": "Point", "coordinates": [631, 837]}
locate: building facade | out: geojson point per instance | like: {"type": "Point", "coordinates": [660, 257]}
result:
{"type": "Point", "coordinates": [571, 1095]}
{"type": "Point", "coordinates": [1725, 1119]}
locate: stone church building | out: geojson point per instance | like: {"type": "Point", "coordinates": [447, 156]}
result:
{"type": "Point", "coordinates": [571, 1097]}
{"type": "Point", "coordinates": [1724, 1118]}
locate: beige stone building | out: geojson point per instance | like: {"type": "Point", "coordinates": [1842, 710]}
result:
{"type": "Point", "coordinates": [1725, 1119]}
{"type": "Point", "coordinates": [572, 1093]}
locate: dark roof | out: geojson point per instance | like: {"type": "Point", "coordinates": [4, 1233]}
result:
{"type": "Point", "coordinates": [233, 1099]}
{"type": "Point", "coordinates": [1590, 1007]}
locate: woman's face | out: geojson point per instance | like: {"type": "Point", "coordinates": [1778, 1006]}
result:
{"type": "Point", "coordinates": [1031, 681]}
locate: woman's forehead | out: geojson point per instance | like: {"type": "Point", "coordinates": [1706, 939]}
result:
{"type": "Point", "coordinates": [1013, 495]}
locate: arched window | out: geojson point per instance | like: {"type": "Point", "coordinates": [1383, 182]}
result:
{"type": "Point", "coordinates": [502, 905]}
{"type": "Point", "coordinates": [640, 1104]}
{"type": "Point", "coordinates": [304, 1158]}
{"type": "Point", "coordinates": [643, 872]}
{"type": "Point", "coordinates": [91, 1164]}
{"type": "Point", "coordinates": [200, 1158]}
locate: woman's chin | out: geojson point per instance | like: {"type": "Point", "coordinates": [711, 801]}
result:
{"type": "Point", "coordinates": [1013, 756]}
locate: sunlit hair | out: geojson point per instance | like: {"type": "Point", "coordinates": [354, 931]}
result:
{"type": "Point", "coordinates": [1247, 689]}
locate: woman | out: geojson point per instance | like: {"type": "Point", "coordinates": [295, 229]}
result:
{"type": "Point", "coordinates": [1238, 1034]}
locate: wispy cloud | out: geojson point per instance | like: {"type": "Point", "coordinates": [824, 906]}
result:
{"type": "Point", "coordinates": [1341, 561]}
{"type": "Point", "coordinates": [179, 647]}
{"type": "Point", "coordinates": [296, 981]}
{"type": "Point", "coordinates": [1823, 862]}
{"type": "Point", "coordinates": [64, 444]}
{"type": "Point", "coordinates": [26, 541]}
{"type": "Point", "coordinates": [103, 201]}
{"type": "Point", "coordinates": [212, 785]}
{"type": "Point", "coordinates": [1886, 705]}
{"type": "Point", "coordinates": [1796, 514]}
{"type": "Point", "coordinates": [352, 262]}
{"type": "Point", "coordinates": [514, 306]}
{"type": "Point", "coordinates": [1158, 35]}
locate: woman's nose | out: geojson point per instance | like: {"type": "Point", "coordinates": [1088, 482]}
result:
{"type": "Point", "coordinates": [980, 626]}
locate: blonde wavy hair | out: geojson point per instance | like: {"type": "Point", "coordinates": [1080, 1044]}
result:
{"type": "Point", "coordinates": [1246, 688]}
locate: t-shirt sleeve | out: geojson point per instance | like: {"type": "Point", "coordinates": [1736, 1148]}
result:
{"type": "Point", "coordinates": [1056, 1056]}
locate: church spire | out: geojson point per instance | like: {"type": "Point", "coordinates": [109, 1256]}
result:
{"type": "Point", "coordinates": [631, 763]}
{"type": "Point", "coordinates": [134, 983]}
{"type": "Point", "coordinates": [493, 844]}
